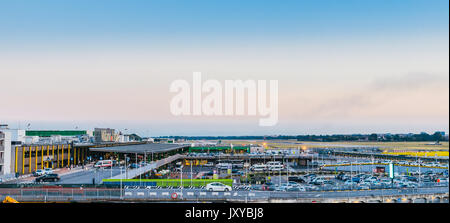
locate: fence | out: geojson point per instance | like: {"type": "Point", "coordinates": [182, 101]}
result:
{"type": "Point", "coordinates": [60, 194]}
{"type": "Point", "coordinates": [131, 194]}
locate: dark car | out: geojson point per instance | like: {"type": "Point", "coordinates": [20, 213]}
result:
{"type": "Point", "coordinates": [410, 178]}
{"type": "Point", "coordinates": [257, 187]}
{"type": "Point", "coordinates": [134, 166]}
{"type": "Point", "coordinates": [268, 186]}
{"type": "Point", "coordinates": [297, 179]}
{"type": "Point", "coordinates": [311, 175]}
{"type": "Point", "coordinates": [340, 176]}
{"type": "Point", "coordinates": [53, 177]}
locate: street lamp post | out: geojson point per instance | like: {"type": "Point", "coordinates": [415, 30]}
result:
{"type": "Point", "coordinates": [121, 177]}
{"type": "Point", "coordinates": [181, 179]}
{"type": "Point", "coordinates": [351, 175]}
{"type": "Point", "coordinates": [420, 173]}
{"type": "Point", "coordinates": [126, 166]}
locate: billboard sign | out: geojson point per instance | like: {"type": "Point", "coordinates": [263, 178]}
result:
{"type": "Point", "coordinates": [391, 170]}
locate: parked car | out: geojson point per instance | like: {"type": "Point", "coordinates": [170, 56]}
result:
{"type": "Point", "coordinates": [298, 179]}
{"type": "Point", "coordinates": [340, 176]}
{"type": "Point", "coordinates": [224, 166]}
{"type": "Point", "coordinates": [258, 167]}
{"type": "Point", "coordinates": [296, 188]}
{"type": "Point", "coordinates": [318, 181]}
{"type": "Point", "coordinates": [269, 186]}
{"type": "Point", "coordinates": [48, 178]}
{"type": "Point", "coordinates": [311, 175]}
{"type": "Point", "coordinates": [275, 165]}
{"type": "Point", "coordinates": [217, 186]}
{"type": "Point", "coordinates": [38, 173]}
{"type": "Point", "coordinates": [134, 165]}
{"type": "Point", "coordinates": [328, 182]}
{"type": "Point", "coordinates": [276, 168]}
{"type": "Point", "coordinates": [363, 187]}
{"type": "Point", "coordinates": [48, 171]}
{"type": "Point", "coordinates": [257, 187]}
{"type": "Point", "coordinates": [350, 183]}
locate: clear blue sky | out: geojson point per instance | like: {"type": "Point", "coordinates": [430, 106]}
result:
{"type": "Point", "coordinates": [86, 22]}
{"type": "Point", "coordinates": [344, 66]}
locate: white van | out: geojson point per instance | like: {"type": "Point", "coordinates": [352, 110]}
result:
{"type": "Point", "coordinates": [104, 164]}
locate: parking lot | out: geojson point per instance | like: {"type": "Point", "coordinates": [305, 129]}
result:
{"type": "Point", "coordinates": [280, 176]}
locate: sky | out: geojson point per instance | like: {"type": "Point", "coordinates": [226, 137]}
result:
{"type": "Point", "coordinates": [342, 66]}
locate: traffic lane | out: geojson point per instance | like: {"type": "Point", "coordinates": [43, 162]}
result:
{"type": "Point", "coordinates": [86, 176]}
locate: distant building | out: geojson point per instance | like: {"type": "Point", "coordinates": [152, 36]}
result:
{"type": "Point", "coordinates": [105, 135]}
{"type": "Point", "coordinates": [5, 150]}
{"type": "Point", "coordinates": [51, 136]}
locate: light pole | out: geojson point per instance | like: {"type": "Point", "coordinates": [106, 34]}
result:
{"type": "Point", "coordinates": [351, 175]}
{"type": "Point", "coordinates": [111, 167]}
{"type": "Point", "coordinates": [121, 177]}
{"type": "Point", "coordinates": [181, 179]}
{"type": "Point", "coordinates": [126, 166]}
{"type": "Point", "coordinates": [138, 167]}
{"type": "Point", "coordinates": [420, 173]}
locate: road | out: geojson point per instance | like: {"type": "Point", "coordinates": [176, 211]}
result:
{"type": "Point", "coordinates": [86, 176]}
{"type": "Point", "coordinates": [80, 176]}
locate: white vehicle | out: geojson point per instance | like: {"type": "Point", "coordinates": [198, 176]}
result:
{"type": "Point", "coordinates": [224, 166]}
{"type": "Point", "coordinates": [385, 181]}
{"type": "Point", "coordinates": [39, 172]}
{"type": "Point", "coordinates": [276, 168]}
{"type": "Point", "coordinates": [274, 152]}
{"type": "Point", "coordinates": [104, 164]}
{"type": "Point", "coordinates": [209, 164]}
{"type": "Point", "coordinates": [274, 165]}
{"type": "Point", "coordinates": [258, 167]}
{"type": "Point", "coordinates": [372, 179]}
{"type": "Point", "coordinates": [48, 171]}
{"type": "Point", "coordinates": [216, 186]}
{"type": "Point", "coordinates": [318, 181]}
{"type": "Point", "coordinates": [349, 182]}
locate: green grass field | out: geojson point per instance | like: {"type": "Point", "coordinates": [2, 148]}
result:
{"type": "Point", "coordinates": [175, 182]}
